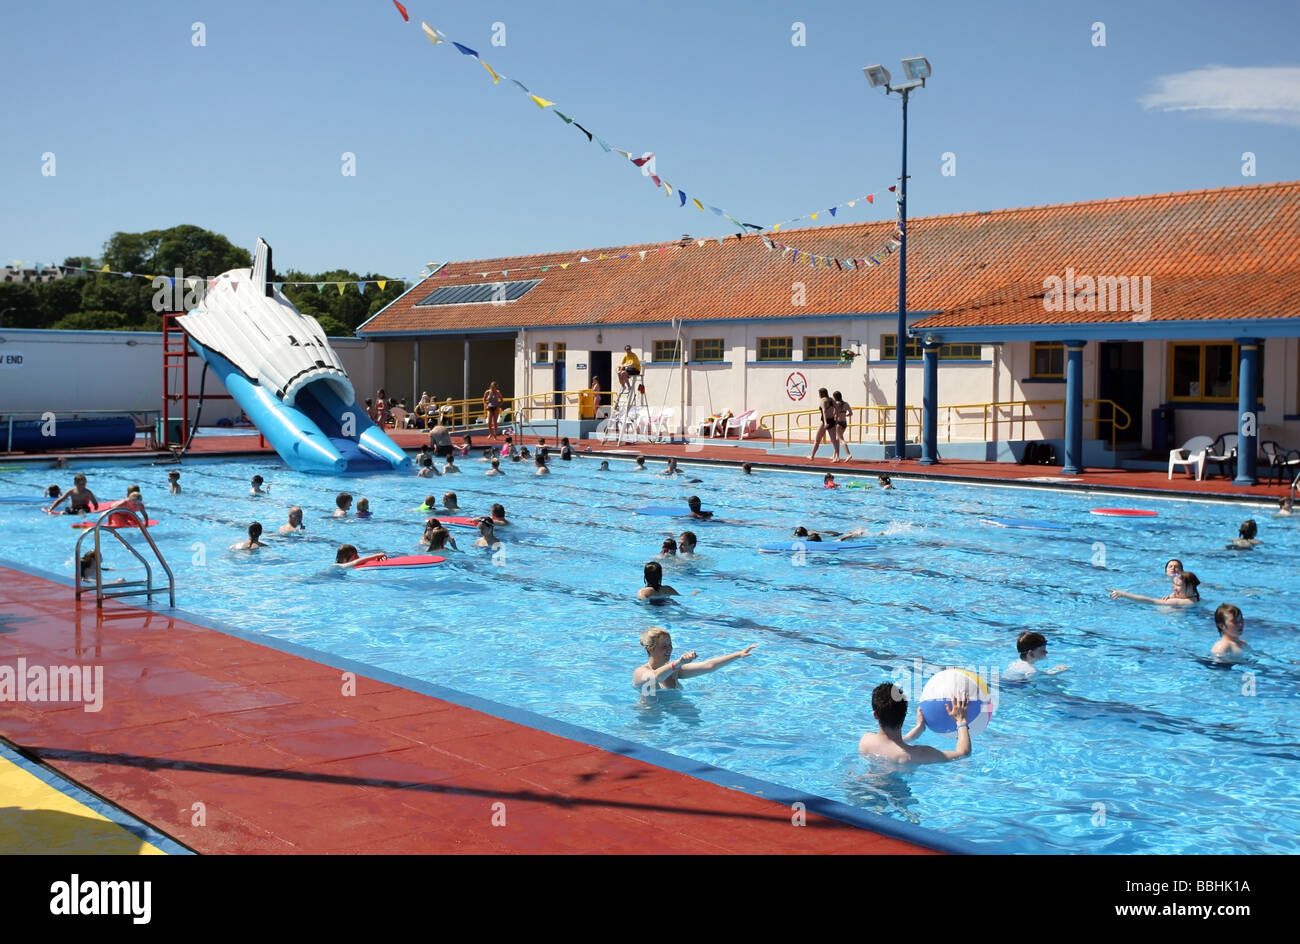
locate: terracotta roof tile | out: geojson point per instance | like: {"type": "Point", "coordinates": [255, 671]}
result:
{"type": "Point", "coordinates": [1227, 253]}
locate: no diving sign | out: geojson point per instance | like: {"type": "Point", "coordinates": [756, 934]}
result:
{"type": "Point", "coordinates": [796, 386]}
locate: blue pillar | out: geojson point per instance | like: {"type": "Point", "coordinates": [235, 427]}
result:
{"type": "Point", "coordinates": [1073, 408]}
{"type": "Point", "coordinates": [1247, 410]}
{"type": "Point", "coordinates": [930, 404]}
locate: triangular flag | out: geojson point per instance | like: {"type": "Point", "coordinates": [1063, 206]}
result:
{"type": "Point", "coordinates": [682, 194]}
{"type": "Point", "coordinates": [668, 189]}
{"type": "Point", "coordinates": [602, 256]}
{"type": "Point", "coordinates": [434, 36]}
{"type": "Point", "coordinates": [623, 256]}
{"type": "Point", "coordinates": [540, 102]}
{"type": "Point", "coordinates": [601, 142]}
{"type": "Point", "coordinates": [814, 216]}
{"type": "Point", "coordinates": [564, 265]}
{"type": "Point", "coordinates": [482, 275]}
{"type": "Point", "coordinates": [320, 286]}
{"type": "Point", "coordinates": [544, 268]}
{"type": "Point", "coordinates": [892, 189]}
{"type": "Point", "coordinates": [103, 268]}
{"type": "Point", "coordinates": [495, 78]}
{"type": "Point", "coordinates": [853, 203]}
{"type": "Point", "coordinates": [465, 50]}
{"type": "Point", "coordinates": [720, 239]}
{"type": "Point", "coordinates": [234, 286]}
{"type": "Point", "coordinates": [381, 283]}
{"type": "Point", "coordinates": [795, 257]}
{"type": "Point", "coordinates": [361, 287]}
{"type": "Point", "coordinates": [340, 285]}
{"type": "Point", "coordinates": [699, 205]}
{"type": "Point", "coordinates": [639, 161]}
{"type": "Point", "coordinates": [699, 243]}
{"type": "Point", "coordinates": [655, 179]}
{"type": "Point", "coordinates": [716, 211]}
{"type": "Point", "coordinates": [776, 227]}
{"type": "Point", "coordinates": [627, 154]}
{"type": "Point", "coordinates": [583, 130]}
{"type": "Point", "coordinates": [584, 259]}
{"type": "Point", "coordinates": [754, 226]}
{"type": "Point", "coordinates": [642, 255]}
{"type": "Point", "coordinates": [126, 275]}
{"type": "Point", "coordinates": [871, 198]}
{"type": "Point", "coordinates": [838, 266]}
{"type": "Point", "coordinates": [563, 117]}
{"type": "Point", "coordinates": [505, 273]}
{"type": "Point", "coordinates": [831, 211]}
{"type": "Point", "coordinates": [402, 10]}
{"type": "Point", "coordinates": [520, 84]}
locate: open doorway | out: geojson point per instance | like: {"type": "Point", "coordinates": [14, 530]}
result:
{"type": "Point", "coordinates": [1119, 378]}
{"type": "Point", "coordinates": [599, 369]}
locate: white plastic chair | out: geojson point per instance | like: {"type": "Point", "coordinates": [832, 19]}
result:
{"type": "Point", "coordinates": [745, 422]}
{"type": "Point", "coordinates": [663, 422]}
{"type": "Point", "coordinates": [1189, 454]}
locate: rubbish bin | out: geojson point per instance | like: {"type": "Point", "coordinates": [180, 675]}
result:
{"type": "Point", "coordinates": [586, 404]}
{"type": "Point", "coordinates": [1162, 428]}
{"type": "Point", "coordinates": [173, 434]}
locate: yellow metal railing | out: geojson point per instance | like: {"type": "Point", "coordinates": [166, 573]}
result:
{"type": "Point", "coordinates": [958, 421]}
{"type": "Point", "coordinates": [460, 414]}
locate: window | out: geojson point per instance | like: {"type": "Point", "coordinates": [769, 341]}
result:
{"type": "Point", "coordinates": [492, 292]}
{"type": "Point", "coordinates": [961, 352]}
{"type": "Point", "coordinates": [824, 348]}
{"type": "Point", "coordinates": [889, 348]}
{"type": "Point", "coordinates": [776, 349]}
{"type": "Point", "coordinates": [560, 351]}
{"type": "Point", "coordinates": [667, 351]}
{"type": "Point", "coordinates": [1207, 372]}
{"type": "Point", "coordinates": [1047, 361]}
{"type": "Point", "coordinates": [707, 349]}
{"type": "Point", "coordinates": [543, 354]}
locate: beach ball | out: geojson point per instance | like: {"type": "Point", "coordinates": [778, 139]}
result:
{"type": "Point", "coordinates": [945, 685]}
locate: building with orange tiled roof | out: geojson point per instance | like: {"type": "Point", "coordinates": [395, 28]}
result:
{"type": "Point", "coordinates": [1164, 299]}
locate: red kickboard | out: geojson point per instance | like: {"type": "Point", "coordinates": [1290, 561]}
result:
{"type": "Point", "coordinates": [459, 522]}
{"type": "Point", "coordinates": [1124, 512]}
{"type": "Point", "coordinates": [411, 560]}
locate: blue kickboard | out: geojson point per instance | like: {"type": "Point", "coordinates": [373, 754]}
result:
{"type": "Point", "coordinates": [809, 546]}
{"type": "Point", "coordinates": [1027, 523]}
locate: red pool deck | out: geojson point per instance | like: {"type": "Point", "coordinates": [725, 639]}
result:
{"type": "Point", "coordinates": [282, 761]}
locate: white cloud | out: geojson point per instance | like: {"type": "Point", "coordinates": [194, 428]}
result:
{"type": "Point", "coordinates": [1267, 94]}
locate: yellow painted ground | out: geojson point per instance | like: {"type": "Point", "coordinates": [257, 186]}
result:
{"type": "Point", "coordinates": [37, 819]}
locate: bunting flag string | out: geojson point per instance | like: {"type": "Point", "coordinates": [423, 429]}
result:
{"type": "Point", "coordinates": [646, 162]}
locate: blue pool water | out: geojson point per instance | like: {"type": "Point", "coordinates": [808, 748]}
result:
{"type": "Point", "coordinates": [1142, 745]}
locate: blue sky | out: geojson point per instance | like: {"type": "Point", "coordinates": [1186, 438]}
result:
{"type": "Point", "coordinates": [246, 134]}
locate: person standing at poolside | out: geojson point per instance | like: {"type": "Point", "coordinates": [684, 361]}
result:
{"type": "Point", "coordinates": [659, 673]}
{"type": "Point", "coordinates": [826, 408]}
{"type": "Point", "coordinates": [843, 412]}
{"type": "Point", "coordinates": [492, 399]}
{"type": "Point", "coordinates": [890, 709]}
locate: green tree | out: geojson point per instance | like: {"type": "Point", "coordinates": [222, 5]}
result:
{"type": "Point", "coordinates": [194, 250]}
{"type": "Point", "coordinates": [19, 307]}
{"type": "Point", "coordinates": [92, 321]}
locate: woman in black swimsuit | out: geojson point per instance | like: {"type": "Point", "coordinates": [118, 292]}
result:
{"type": "Point", "coordinates": [492, 405]}
{"type": "Point", "coordinates": [840, 435]}
{"type": "Point", "coordinates": [827, 408]}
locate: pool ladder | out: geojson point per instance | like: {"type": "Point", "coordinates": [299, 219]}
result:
{"type": "Point", "coordinates": [127, 588]}
{"type": "Point", "coordinates": [627, 415]}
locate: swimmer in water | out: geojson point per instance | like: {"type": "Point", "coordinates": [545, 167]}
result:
{"type": "Point", "coordinates": [449, 502]}
{"type": "Point", "coordinates": [1032, 647]}
{"type": "Point", "coordinates": [686, 544]}
{"type": "Point", "coordinates": [426, 469]}
{"type": "Point", "coordinates": [1231, 625]}
{"type": "Point", "coordinates": [439, 539]}
{"type": "Point", "coordinates": [566, 450]}
{"type": "Point", "coordinates": [363, 508]}
{"type": "Point", "coordinates": [640, 464]}
{"type": "Point", "coordinates": [496, 468]}
{"type": "Point", "coordinates": [1173, 566]}
{"type": "Point", "coordinates": [294, 524]}
{"type": "Point", "coordinates": [254, 539]}
{"type": "Point", "coordinates": [450, 467]}
{"type": "Point", "coordinates": [671, 469]}
{"type": "Point", "coordinates": [747, 468]}
{"type": "Point", "coordinates": [1246, 540]}
{"type": "Point", "coordinates": [347, 556]}
{"type": "Point", "coordinates": [540, 462]}
{"type": "Point", "coordinates": [659, 673]}
{"type": "Point", "coordinates": [654, 588]}
{"type": "Point", "coordinates": [344, 501]}
{"type": "Point", "coordinates": [80, 499]}
{"type": "Point", "coordinates": [693, 503]}
{"type": "Point", "coordinates": [487, 536]}
{"type": "Point", "coordinates": [255, 488]}
{"type": "Point", "coordinates": [604, 465]}
{"type": "Point", "coordinates": [1284, 505]}
{"type": "Point", "coordinates": [669, 548]}
{"type": "Point", "coordinates": [884, 482]}
{"type": "Point", "coordinates": [1184, 592]}
{"type": "Point", "coordinates": [890, 708]}
{"type": "Point", "coordinates": [805, 535]}
{"type": "Point", "coordinates": [499, 515]}
{"type": "Point", "coordinates": [828, 480]}
{"type": "Point", "coordinates": [174, 482]}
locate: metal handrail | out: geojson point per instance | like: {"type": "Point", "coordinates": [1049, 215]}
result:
{"type": "Point", "coordinates": [877, 421]}
{"type": "Point", "coordinates": [467, 414]}
{"type": "Point", "coordinates": [141, 516]}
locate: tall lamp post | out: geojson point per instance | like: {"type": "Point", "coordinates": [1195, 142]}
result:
{"type": "Point", "coordinates": [917, 70]}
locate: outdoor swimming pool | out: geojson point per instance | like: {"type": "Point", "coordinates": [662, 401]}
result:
{"type": "Point", "coordinates": [1141, 746]}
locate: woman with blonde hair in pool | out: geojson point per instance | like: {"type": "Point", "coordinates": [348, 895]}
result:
{"type": "Point", "coordinates": [1183, 594]}
{"type": "Point", "coordinates": [660, 673]}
